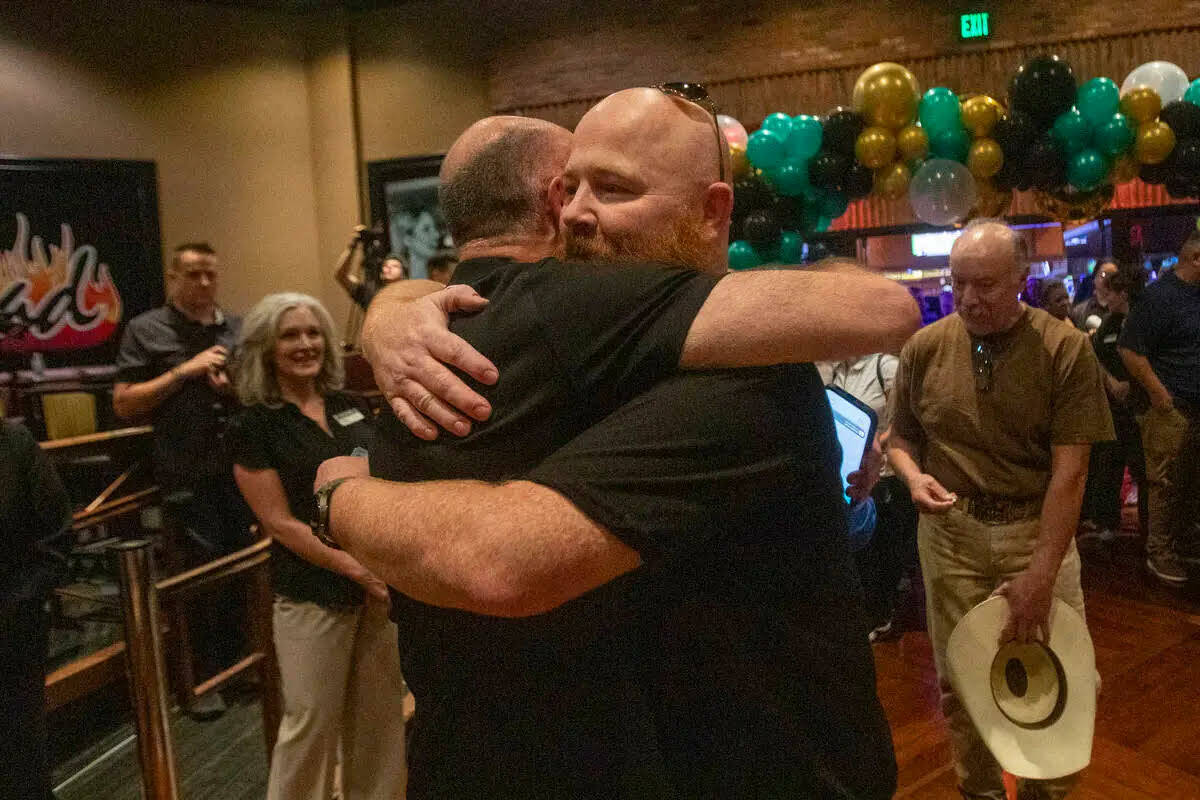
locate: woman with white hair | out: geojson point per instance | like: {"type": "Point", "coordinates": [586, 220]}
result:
{"type": "Point", "coordinates": [337, 650]}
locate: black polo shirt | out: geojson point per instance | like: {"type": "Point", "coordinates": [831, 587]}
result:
{"type": "Point", "coordinates": [189, 425]}
{"type": "Point", "coordinates": [33, 508]}
{"type": "Point", "coordinates": [282, 438]}
{"type": "Point", "coordinates": [539, 707]}
{"type": "Point", "coordinates": [1164, 326]}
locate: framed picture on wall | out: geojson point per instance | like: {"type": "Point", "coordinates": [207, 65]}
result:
{"type": "Point", "coordinates": [80, 255]}
{"type": "Point", "coordinates": [404, 201]}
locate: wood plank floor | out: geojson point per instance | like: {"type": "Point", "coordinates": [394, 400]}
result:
{"type": "Point", "coordinates": [1147, 743]}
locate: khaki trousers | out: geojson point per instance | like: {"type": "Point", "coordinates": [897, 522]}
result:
{"type": "Point", "coordinates": [1163, 432]}
{"type": "Point", "coordinates": [963, 561]}
{"type": "Point", "coordinates": [342, 686]}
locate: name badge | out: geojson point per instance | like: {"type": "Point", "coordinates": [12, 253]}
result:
{"type": "Point", "coordinates": [348, 417]}
{"type": "Point", "coordinates": [1110, 339]}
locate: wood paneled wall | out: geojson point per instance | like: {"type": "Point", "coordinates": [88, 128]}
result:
{"type": "Point", "coordinates": [553, 61]}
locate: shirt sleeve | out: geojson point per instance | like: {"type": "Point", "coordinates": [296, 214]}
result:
{"type": "Point", "coordinates": [247, 442]}
{"type": "Point", "coordinates": [1080, 412]}
{"type": "Point", "coordinates": [617, 328]}
{"type": "Point", "coordinates": [134, 363]}
{"type": "Point", "coordinates": [662, 472]}
{"type": "Point", "coordinates": [904, 417]}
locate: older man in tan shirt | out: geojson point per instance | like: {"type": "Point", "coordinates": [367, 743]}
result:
{"type": "Point", "coordinates": [996, 409]}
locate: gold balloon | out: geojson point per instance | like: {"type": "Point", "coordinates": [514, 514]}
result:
{"type": "Point", "coordinates": [913, 143]}
{"type": "Point", "coordinates": [738, 161]}
{"type": "Point", "coordinates": [980, 114]}
{"type": "Point", "coordinates": [990, 201]}
{"type": "Point", "coordinates": [1070, 207]}
{"type": "Point", "coordinates": [1125, 169]}
{"type": "Point", "coordinates": [985, 158]}
{"type": "Point", "coordinates": [876, 147]}
{"type": "Point", "coordinates": [1141, 104]}
{"type": "Point", "coordinates": [887, 94]}
{"type": "Point", "coordinates": [1155, 141]}
{"type": "Point", "coordinates": [891, 182]}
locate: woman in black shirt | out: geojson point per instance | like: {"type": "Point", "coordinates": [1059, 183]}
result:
{"type": "Point", "coordinates": [337, 649]}
{"type": "Point", "coordinates": [1102, 500]}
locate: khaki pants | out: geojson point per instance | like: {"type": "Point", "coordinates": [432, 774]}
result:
{"type": "Point", "coordinates": [963, 561]}
{"type": "Point", "coordinates": [1163, 432]}
{"type": "Point", "coordinates": [341, 681]}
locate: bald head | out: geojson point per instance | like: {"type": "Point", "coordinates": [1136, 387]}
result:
{"type": "Point", "coordinates": [642, 184]}
{"type": "Point", "coordinates": [988, 264]}
{"type": "Point", "coordinates": [495, 178]}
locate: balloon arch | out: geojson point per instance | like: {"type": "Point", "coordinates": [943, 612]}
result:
{"type": "Point", "coordinates": [957, 157]}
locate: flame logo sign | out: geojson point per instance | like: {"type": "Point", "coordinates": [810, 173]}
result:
{"type": "Point", "coordinates": [61, 296]}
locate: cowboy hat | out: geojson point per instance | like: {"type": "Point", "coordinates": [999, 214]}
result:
{"type": "Point", "coordinates": [1034, 704]}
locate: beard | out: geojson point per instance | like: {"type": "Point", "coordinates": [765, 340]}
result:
{"type": "Point", "coordinates": [681, 246]}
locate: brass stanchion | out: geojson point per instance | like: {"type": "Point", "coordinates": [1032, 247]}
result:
{"type": "Point", "coordinates": [144, 660]}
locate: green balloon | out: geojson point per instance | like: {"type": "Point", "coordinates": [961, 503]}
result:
{"type": "Point", "coordinates": [1115, 136]}
{"type": "Point", "coordinates": [790, 178]}
{"type": "Point", "coordinates": [1072, 131]}
{"type": "Point", "coordinates": [1192, 95]}
{"type": "Point", "coordinates": [940, 110]}
{"type": "Point", "coordinates": [823, 223]}
{"type": "Point", "coordinates": [791, 248]}
{"type": "Point", "coordinates": [1087, 169]}
{"type": "Point", "coordinates": [1097, 100]}
{"type": "Point", "coordinates": [742, 256]}
{"type": "Point", "coordinates": [779, 122]}
{"type": "Point", "coordinates": [951, 143]}
{"type": "Point", "coordinates": [766, 149]}
{"type": "Point", "coordinates": [804, 138]}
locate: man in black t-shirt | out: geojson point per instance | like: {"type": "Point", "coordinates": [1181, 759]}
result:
{"type": "Point", "coordinates": [660, 634]}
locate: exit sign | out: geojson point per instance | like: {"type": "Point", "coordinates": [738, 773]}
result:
{"type": "Point", "coordinates": [974, 26]}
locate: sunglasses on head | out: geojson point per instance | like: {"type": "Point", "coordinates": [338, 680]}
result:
{"type": "Point", "coordinates": [697, 94]}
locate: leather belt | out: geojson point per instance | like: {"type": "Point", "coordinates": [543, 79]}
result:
{"type": "Point", "coordinates": [994, 510]}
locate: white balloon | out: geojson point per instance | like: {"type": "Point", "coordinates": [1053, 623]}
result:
{"type": "Point", "coordinates": [942, 192]}
{"type": "Point", "coordinates": [1162, 76]}
{"type": "Point", "coordinates": [735, 132]}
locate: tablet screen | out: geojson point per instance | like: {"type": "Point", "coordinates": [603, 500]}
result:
{"type": "Point", "coordinates": [855, 426]}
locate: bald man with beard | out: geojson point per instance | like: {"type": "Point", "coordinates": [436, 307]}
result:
{"type": "Point", "coordinates": [645, 591]}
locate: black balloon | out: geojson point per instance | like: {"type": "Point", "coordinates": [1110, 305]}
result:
{"type": "Point", "coordinates": [761, 229]}
{"type": "Point", "coordinates": [1156, 173]}
{"type": "Point", "coordinates": [790, 212]}
{"type": "Point", "coordinates": [859, 182]}
{"type": "Point", "coordinates": [1183, 117]}
{"type": "Point", "coordinates": [1009, 176]}
{"type": "Point", "coordinates": [842, 128]}
{"type": "Point", "coordinates": [1180, 187]}
{"type": "Point", "coordinates": [1043, 88]}
{"type": "Point", "coordinates": [1014, 133]}
{"type": "Point", "coordinates": [1187, 159]}
{"type": "Point", "coordinates": [1045, 166]}
{"type": "Point", "coordinates": [827, 170]}
{"type": "Point", "coordinates": [750, 194]}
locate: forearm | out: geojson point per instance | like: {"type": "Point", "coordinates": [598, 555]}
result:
{"type": "Point", "coordinates": [513, 549]}
{"type": "Point", "coordinates": [1141, 371]}
{"type": "Point", "coordinates": [1060, 517]}
{"type": "Point", "coordinates": [298, 537]}
{"type": "Point", "coordinates": [904, 456]}
{"type": "Point", "coordinates": [138, 400]}
{"type": "Point", "coordinates": [793, 316]}
{"type": "Point", "coordinates": [344, 274]}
